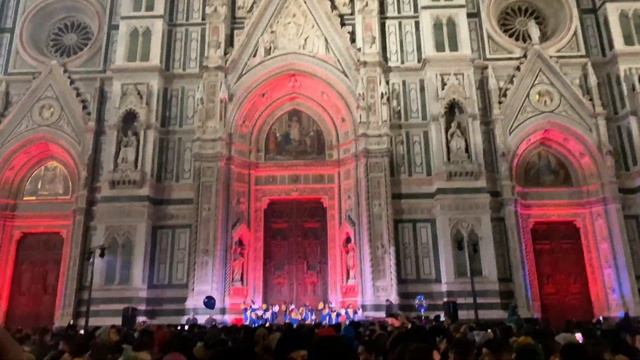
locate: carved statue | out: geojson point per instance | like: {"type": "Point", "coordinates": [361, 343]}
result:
{"type": "Point", "coordinates": [457, 141]}
{"type": "Point", "coordinates": [384, 101]}
{"type": "Point", "coordinates": [237, 263]}
{"type": "Point", "coordinates": [610, 159]}
{"type": "Point", "coordinates": [290, 31]}
{"type": "Point", "coordinates": [128, 150]}
{"type": "Point", "coordinates": [224, 91]}
{"type": "Point", "coordinates": [314, 41]}
{"type": "Point", "coordinates": [217, 12]}
{"type": "Point", "coordinates": [534, 32]}
{"type": "Point", "coordinates": [267, 43]}
{"type": "Point", "coordinates": [350, 260]}
{"type": "Point", "coordinates": [200, 96]}
{"type": "Point", "coordinates": [361, 97]}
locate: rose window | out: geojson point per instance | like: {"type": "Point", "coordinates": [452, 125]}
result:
{"type": "Point", "coordinates": [68, 38]}
{"type": "Point", "coordinates": [514, 22]}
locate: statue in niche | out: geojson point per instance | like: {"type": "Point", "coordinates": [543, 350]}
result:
{"type": "Point", "coordinates": [127, 153]}
{"type": "Point", "coordinates": [49, 181]}
{"type": "Point", "coordinates": [237, 263]}
{"type": "Point", "coordinates": [456, 138]}
{"type": "Point", "coordinates": [350, 260]}
{"type": "Point", "coordinates": [295, 136]}
{"type": "Point", "coordinates": [128, 142]}
{"type": "Point", "coordinates": [217, 12]}
{"type": "Point", "coordinates": [534, 32]}
{"type": "Point", "coordinates": [384, 101]}
{"type": "Point", "coordinates": [544, 169]}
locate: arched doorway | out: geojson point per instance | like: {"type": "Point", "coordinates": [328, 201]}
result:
{"type": "Point", "coordinates": [293, 192]}
{"type": "Point", "coordinates": [38, 188]}
{"type": "Point", "coordinates": [564, 226]}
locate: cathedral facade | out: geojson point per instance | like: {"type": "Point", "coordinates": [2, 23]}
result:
{"type": "Point", "coordinates": [345, 151]}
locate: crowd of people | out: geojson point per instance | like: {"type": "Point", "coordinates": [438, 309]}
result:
{"type": "Point", "coordinates": [394, 338]}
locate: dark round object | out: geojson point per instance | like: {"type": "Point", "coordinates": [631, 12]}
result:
{"type": "Point", "coordinates": [209, 302]}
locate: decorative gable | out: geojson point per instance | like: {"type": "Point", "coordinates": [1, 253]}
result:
{"type": "Point", "coordinates": [50, 105]}
{"type": "Point", "coordinates": [293, 26]}
{"type": "Point", "coordinates": [540, 87]}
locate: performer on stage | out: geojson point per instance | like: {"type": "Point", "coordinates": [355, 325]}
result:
{"type": "Point", "coordinates": [323, 311]}
{"type": "Point", "coordinates": [334, 316]}
{"type": "Point", "coordinates": [274, 314]}
{"type": "Point", "coordinates": [350, 314]}
{"type": "Point", "coordinates": [307, 316]}
{"type": "Point", "coordinates": [294, 316]}
{"type": "Point", "coordinates": [246, 314]}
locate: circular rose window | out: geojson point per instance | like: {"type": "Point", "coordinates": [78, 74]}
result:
{"type": "Point", "coordinates": [514, 22]}
{"type": "Point", "coordinates": [60, 30]}
{"type": "Point", "coordinates": [68, 38]}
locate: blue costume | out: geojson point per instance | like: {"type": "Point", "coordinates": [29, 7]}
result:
{"type": "Point", "coordinates": [334, 317]}
{"type": "Point", "coordinates": [324, 316]}
{"type": "Point", "coordinates": [246, 315]}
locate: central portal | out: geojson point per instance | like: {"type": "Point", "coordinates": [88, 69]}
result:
{"type": "Point", "coordinates": [295, 252]}
{"type": "Point", "coordinates": [562, 276]}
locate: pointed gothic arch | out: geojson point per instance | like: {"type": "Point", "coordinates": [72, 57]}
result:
{"type": "Point", "coordinates": [295, 81]}
{"type": "Point", "coordinates": [579, 202]}
{"type": "Point", "coordinates": [22, 162]}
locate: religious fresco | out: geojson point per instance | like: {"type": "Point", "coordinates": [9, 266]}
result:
{"type": "Point", "coordinates": [51, 181]}
{"type": "Point", "coordinates": [295, 136]}
{"type": "Point", "coordinates": [544, 169]}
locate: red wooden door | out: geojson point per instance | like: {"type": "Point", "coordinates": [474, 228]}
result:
{"type": "Point", "coordinates": [562, 276]}
{"type": "Point", "coordinates": [295, 260]}
{"type": "Point", "coordinates": [34, 285]}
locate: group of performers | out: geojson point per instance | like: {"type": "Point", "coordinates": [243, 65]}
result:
{"type": "Point", "coordinates": [325, 314]}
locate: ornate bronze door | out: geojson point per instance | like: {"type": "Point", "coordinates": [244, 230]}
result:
{"type": "Point", "coordinates": [562, 276]}
{"type": "Point", "coordinates": [35, 281]}
{"type": "Point", "coordinates": [295, 252]}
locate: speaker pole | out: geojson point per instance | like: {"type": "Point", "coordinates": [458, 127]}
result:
{"type": "Point", "coordinates": [471, 246]}
{"type": "Point", "coordinates": [91, 258]}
